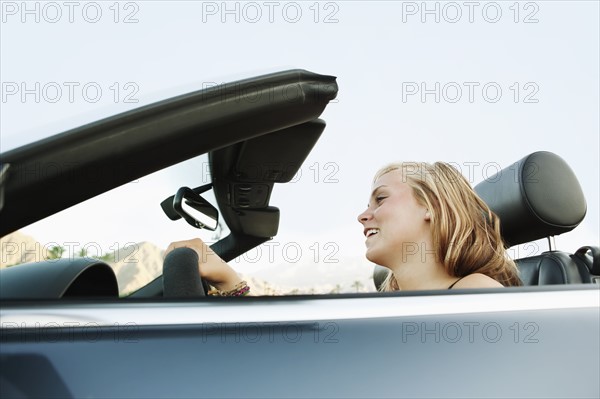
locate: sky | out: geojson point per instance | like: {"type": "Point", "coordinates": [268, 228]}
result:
{"type": "Point", "coordinates": [477, 84]}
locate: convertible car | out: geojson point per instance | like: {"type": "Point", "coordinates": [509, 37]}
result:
{"type": "Point", "coordinates": [66, 332]}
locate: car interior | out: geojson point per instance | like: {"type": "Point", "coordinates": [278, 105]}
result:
{"type": "Point", "coordinates": [251, 145]}
{"type": "Point", "coordinates": [256, 132]}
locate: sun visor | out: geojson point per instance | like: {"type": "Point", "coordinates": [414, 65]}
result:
{"type": "Point", "coordinates": [277, 157]}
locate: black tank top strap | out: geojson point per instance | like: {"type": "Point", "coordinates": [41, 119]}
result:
{"type": "Point", "coordinates": [452, 285]}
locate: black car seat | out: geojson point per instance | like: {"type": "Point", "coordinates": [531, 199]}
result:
{"type": "Point", "coordinates": [538, 197]}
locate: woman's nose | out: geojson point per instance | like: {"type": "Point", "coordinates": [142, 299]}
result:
{"type": "Point", "coordinates": [365, 216]}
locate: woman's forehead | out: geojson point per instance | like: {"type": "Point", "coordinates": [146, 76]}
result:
{"type": "Point", "coordinates": [393, 177]}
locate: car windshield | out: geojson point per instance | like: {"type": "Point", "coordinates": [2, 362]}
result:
{"type": "Point", "coordinates": [477, 85]}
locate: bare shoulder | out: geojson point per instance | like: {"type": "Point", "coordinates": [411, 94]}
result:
{"type": "Point", "coordinates": [477, 280]}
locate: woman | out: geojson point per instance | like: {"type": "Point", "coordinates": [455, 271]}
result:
{"type": "Point", "coordinates": [424, 222]}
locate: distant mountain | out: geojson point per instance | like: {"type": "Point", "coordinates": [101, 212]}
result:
{"type": "Point", "coordinates": [136, 265]}
{"type": "Point", "coordinates": [17, 248]}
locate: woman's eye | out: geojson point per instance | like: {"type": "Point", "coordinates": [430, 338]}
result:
{"type": "Point", "coordinates": [379, 199]}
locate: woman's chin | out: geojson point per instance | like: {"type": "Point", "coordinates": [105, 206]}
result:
{"type": "Point", "coordinates": [372, 256]}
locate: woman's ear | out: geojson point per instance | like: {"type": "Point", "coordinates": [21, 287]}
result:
{"type": "Point", "coordinates": [427, 216]}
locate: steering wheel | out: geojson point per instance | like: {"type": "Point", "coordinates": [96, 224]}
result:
{"type": "Point", "coordinates": [181, 277]}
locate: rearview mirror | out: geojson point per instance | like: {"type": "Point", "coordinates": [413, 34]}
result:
{"type": "Point", "coordinates": [197, 211]}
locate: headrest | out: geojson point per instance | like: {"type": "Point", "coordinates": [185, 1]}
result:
{"type": "Point", "coordinates": [536, 197]}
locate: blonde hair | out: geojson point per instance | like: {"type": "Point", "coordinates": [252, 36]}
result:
{"type": "Point", "coordinates": [465, 232]}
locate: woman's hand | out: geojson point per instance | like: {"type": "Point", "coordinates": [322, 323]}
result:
{"type": "Point", "coordinates": [211, 267]}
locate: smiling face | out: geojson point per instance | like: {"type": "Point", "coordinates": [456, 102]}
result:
{"type": "Point", "coordinates": [395, 225]}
